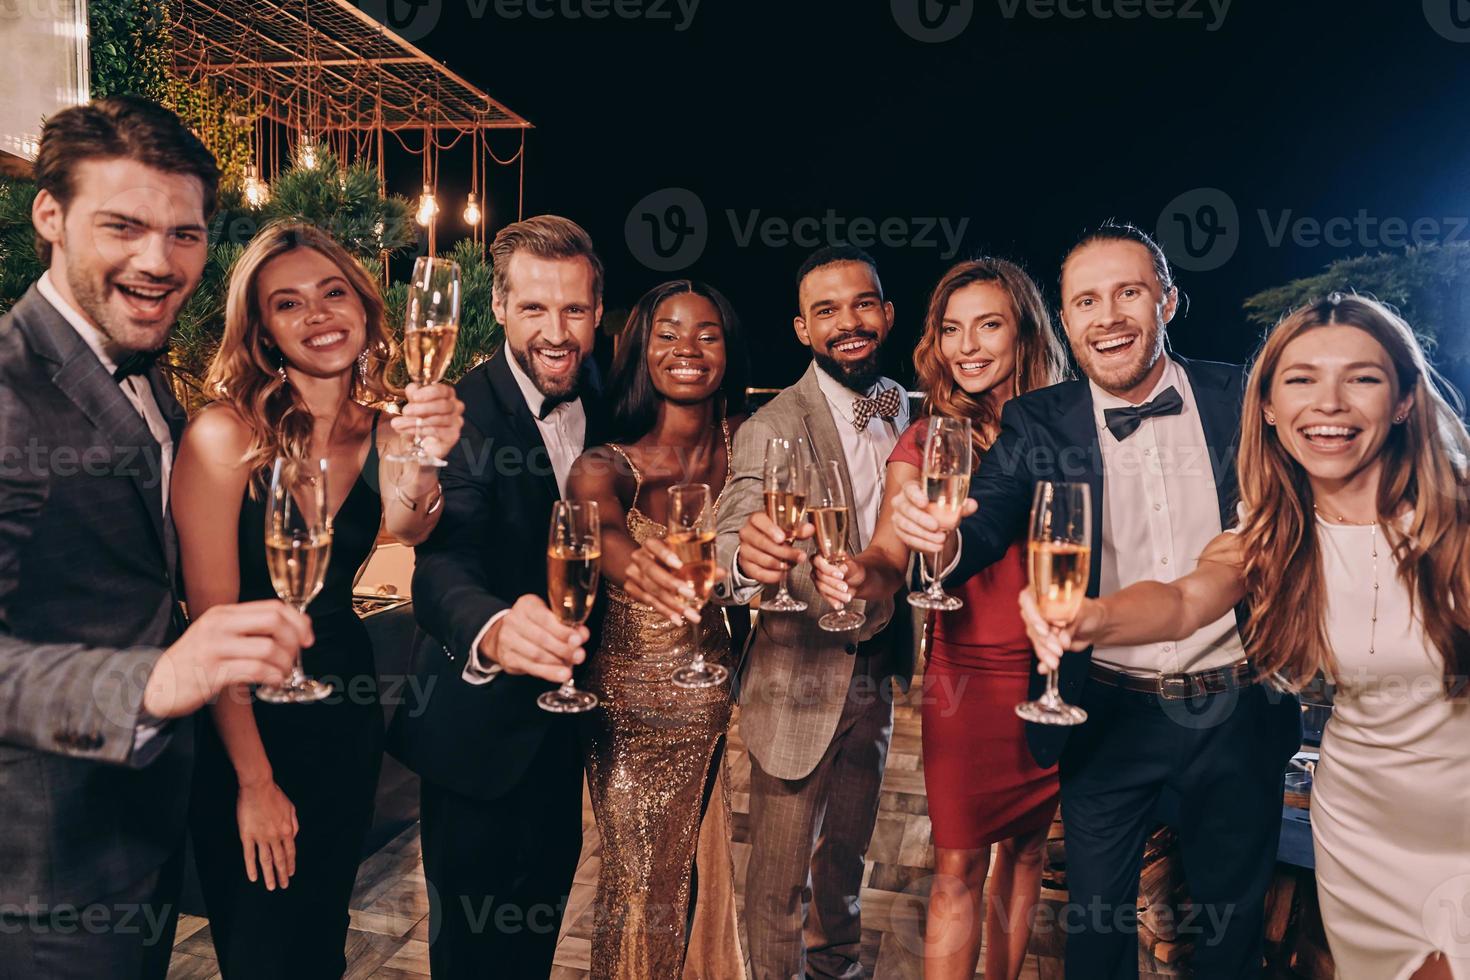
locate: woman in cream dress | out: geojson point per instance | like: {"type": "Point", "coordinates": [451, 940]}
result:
{"type": "Point", "coordinates": [1354, 551]}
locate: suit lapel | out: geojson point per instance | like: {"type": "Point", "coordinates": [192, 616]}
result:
{"type": "Point", "coordinates": [81, 377]}
{"type": "Point", "coordinates": [825, 442]}
{"type": "Point", "coordinates": [1077, 426]}
{"type": "Point", "coordinates": [513, 403]}
{"type": "Point", "coordinates": [1219, 415]}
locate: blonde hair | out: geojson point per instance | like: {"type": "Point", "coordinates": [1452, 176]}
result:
{"type": "Point", "coordinates": [546, 236]}
{"type": "Point", "coordinates": [1426, 467]}
{"type": "Point", "coordinates": [1039, 358]}
{"type": "Point", "coordinates": [246, 373]}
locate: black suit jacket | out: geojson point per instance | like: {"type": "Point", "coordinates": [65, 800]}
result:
{"type": "Point", "coordinates": [488, 550]}
{"type": "Point", "coordinates": [87, 599]}
{"type": "Point", "coordinates": [1051, 434]}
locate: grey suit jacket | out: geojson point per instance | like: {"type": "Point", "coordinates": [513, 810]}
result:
{"type": "Point", "coordinates": [87, 599]}
{"type": "Point", "coordinates": [794, 676]}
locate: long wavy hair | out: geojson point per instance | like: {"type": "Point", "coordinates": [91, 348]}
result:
{"type": "Point", "coordinates": [1040, 360]}
{"type": "Point", "coordinates": [1426, 468]}
{"type": "Point", "coordinates": [246, 372]}
{"type": "Point", "coordinates": [635, 400]}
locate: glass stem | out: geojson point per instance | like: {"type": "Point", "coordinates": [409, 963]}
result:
{"type": "Point", "coordinates": [694, 646]}
{"type": "Point", "coordinates": [568, 688]}
{"type": "Point", "coordinates": [936, 588]}
{"type": "Point", "coordinates": [781, 592]}
{"type": "Point", "coordinates": [1053, 693]}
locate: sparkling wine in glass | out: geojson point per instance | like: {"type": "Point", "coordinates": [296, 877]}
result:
{"type": "Point", "coordinates": [785, 484]}
{"type": "Point", "coordinates": [691, 533]}
{"type": "Point", "coordinates": [298, 548]}
{"type": "Point", "coordinates": [1059, 561]}
{"type": "Point", "coordinates": [573, 567]}
{"type": "Point", "coordinates": [831, 511]}
{"type": "Point", "coordinates": [947, 461]}
{"type": "Point", "coordinates": [430, 328]}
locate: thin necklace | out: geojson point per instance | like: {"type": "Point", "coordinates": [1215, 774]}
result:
{"type": "Point", "coordinates": [1373, 627]}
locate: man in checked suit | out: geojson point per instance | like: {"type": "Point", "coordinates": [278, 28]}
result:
{"type": "Point", "coordinates": [94, 777]}
{"type": "Point", "coordinates": [816, 707]}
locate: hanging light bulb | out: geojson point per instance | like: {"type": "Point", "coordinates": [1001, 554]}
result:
{"type": "Point", "coordinates": [428, 207]}
{"type": "Point", "coordinates": [308, 152]}
{"type": "Point", "coordinates": [256, 190]}
{"type": "Point", "coordinates": [472, 212]}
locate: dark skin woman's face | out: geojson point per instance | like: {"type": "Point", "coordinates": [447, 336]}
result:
{"type": "Point", "coordinates": [686, 349]}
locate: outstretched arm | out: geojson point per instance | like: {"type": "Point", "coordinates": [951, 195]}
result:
{"type": "Point", "coordinates": [1145, 612]}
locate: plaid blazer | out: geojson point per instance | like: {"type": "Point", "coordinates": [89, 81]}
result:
{"type": "Point", "coordinates": [794, 675]}
{"type": "Point", "coordinates": [87, 599]}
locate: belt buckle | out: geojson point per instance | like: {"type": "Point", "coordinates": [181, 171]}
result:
{"type": "Point", "coordinates": [1178, 687]}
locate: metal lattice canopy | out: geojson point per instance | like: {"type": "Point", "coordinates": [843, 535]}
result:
{"type": "Point", "coordinates": [326, 65]}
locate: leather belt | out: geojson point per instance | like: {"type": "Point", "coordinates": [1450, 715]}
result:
{"type": "Point", "coordinates": [1178, 687]}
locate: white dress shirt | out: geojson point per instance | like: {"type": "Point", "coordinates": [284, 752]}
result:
{"type": "Point", "coordinates": [134, 388]}
{"type": "Point", "coordinates": [1160, 510]}
{"type": "Point", "coordinates": [564, 431]}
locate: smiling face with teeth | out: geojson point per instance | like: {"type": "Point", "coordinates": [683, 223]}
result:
{"type": "Point", "coordinates": [1334, 399]}
{"type": "Point", "coordinates": [311, 313]}
{"type": "Point", "coordinates": [550, 310]}
{"type": "Point", "coordinates": [977, 339]}
{"type": "Point", "coordinates": [844, 320]}
{"type": "Point", "coordinates": [128, 249]}
{"type": "Point", "coordinates": [686, 349]}
{"type": "Point", "coordinates": [1115, 310]}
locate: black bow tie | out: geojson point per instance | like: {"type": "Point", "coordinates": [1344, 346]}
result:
{"type": "Point", "coordinates": [137, 363]}
{"type": "Point", "coordinates": [1123, 422]}
{"type": "Point", "coordinates": [549, 405]}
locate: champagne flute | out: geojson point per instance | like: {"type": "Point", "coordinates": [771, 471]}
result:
{"type": "Point", "coordinates": [947, 461]}
{"type": "Point", "coordinates": [298, 548]}
{"type": "Point", "coordinates": [785, 482]}
{"type": "Point", "coordinates": [1059, 555]}
{"type": "Point", "coordinates": [430, 328]}
{"type": "Point", "coordinates": [692, 536]}
{"type": "Point", "coordinates": [573, 567]}
{"type": "Point", "coordinates": [830, 511]}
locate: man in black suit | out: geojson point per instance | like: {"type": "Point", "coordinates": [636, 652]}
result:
{"type": "Point", "coordinates": [1183, 731]}
{"type": "Point", "coordinates": [94, 777]}
{"type": "Point", "coordinates": [501, 799]}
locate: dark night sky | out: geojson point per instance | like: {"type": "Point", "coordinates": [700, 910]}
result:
{"type": "Point", "coordinates": [1030, 127]}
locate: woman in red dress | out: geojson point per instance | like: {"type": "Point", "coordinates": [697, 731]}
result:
{"type": "Point", "coordinates": [987, 336]}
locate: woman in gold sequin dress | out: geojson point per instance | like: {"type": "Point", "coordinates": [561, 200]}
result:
{"type": "Point", "coordinates": [653, 749]}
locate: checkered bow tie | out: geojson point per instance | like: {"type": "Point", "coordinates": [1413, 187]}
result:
{"type": "Point", "coordinates": [884, 405]}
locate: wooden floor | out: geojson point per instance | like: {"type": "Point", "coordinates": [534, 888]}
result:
{"type": "Point", "coordinates": [389, 933]}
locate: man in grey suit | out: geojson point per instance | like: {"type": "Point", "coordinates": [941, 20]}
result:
{"type": "Point", "coordinates": [94, 664]}
{"type": "Point", "coordinates": [816, 707]}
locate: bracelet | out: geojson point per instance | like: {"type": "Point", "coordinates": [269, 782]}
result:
{"type": "Point", "coordinates": [413, 505]}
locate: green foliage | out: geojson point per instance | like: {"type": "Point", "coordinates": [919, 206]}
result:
{"type": "Point", "coordinates": [19, 266]}
{"type": "Point", "coordinates": [345, 203]}
{"type": "Point", "coordinates": [131, 46]}
{"type": "Point", "coordinates": [1429, 285]}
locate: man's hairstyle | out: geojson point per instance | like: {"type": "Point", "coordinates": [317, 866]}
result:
{"type": "Point", "coordinates": [546, 236]}
{"type": "Point", "coordinates": [830, 255]}
{"type": "Point", "coordinates": [121, 127]}
{"type": "Point", "coordinates": [1123, 231]}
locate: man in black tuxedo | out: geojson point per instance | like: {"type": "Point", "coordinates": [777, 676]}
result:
{"type": "Point", "coordinates": [94, 776]}
{"type": "Point", "coordinates": [501, 800]}
{"type": "Point", "coordinates": [1184, 731]}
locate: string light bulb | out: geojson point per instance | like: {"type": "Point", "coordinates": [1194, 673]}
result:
{"type": "Point", "coordinates": [256, 191]}
{"type": "Point", "coordinates": [428, 207]}
{"type": "Point", "coordinates": [308, 153]}
{"type": "Point", "coordinates": [472, 212]}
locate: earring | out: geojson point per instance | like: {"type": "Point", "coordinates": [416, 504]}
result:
{"type": "Point", "coordinates": [1270, 419]}
{"type": "Point", "coordinates": [281, 372]}
{"type": "Point", "coordinates": [362, 365]}
{"type": "Point", "coordinates": [1400, 420]}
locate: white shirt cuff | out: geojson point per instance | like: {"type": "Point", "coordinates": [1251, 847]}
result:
{"type": "Point", "coordinates": [743, 588]}
{"type": "Point", "coordinates": [476, 671]}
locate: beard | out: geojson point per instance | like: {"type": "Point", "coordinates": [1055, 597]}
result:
{"type": "Point", "coordinates": [857, 376]}
{"type": "Point", "coordinates": [1122, 376]}
{"type": "Point", "coordinates": [90, 288]}
{"type": "Point", "coordinates": [563, 388]}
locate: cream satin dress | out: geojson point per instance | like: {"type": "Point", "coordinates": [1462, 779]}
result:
{"type": "Point", "coordinates": [1391, 800]}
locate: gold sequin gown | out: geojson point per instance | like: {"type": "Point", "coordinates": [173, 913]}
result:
{"type": "Point", "coordinates": [650, 748]}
